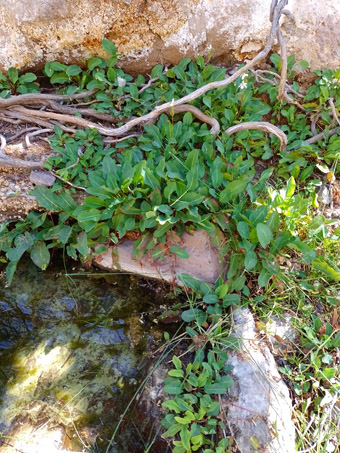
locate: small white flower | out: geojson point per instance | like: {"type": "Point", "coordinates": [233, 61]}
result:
{"type": "Point", "coordinates": [243, 85]}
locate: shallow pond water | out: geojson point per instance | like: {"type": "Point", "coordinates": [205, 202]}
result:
{"type": "Point", "coordinates": [72, 354]}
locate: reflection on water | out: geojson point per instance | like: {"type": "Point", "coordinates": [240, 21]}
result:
{"type": "Point", "coordinates": [71, 355]}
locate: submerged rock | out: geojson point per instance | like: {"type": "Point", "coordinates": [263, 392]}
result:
{"type": "Point", "coordinates": [71, 356]}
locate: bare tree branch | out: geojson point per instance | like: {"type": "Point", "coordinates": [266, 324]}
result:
{"type": "Point", "coordinates": [263, 126]}
{"type": "Point", "coordinates": [335, 115]}
{"type": "Point", "coordinates": [38, 98]}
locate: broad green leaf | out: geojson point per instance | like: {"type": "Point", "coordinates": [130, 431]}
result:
{"type": "Point", "coordinates": [22, 243]}
{"type": "Point", "coordinates": [173, 386]}
{"type": "Point", "coordinates": [183, 420]}
{"type": "Point", "coordinates": [109, 47]}
{"type": "Point", "coordinates": [162, 229]}
{"type": "Point", "coordinates": [177, 362]}
{"type": "Point", "coordinates": [10, 270]}
{"type": "Point", "coordinates": [56, 66]}
{"type": "Point", "coordinates": [27, 78]}
{"type": "Point", "coordinates": [290, 187]}
{"type": "Point", "coordinates": [185, 437]}
{"type": "Point", "coordinates": [172, 405]}
{"type": "Point", "coordinates": [222, 290]}
{"type": "Point", "coordinates": [150, 179]}
{"type": "Point", "coordinates": [182, 254]}
{"type": "Point", "coordinates": [94, 202]}
{"type": "Point", "coordinates": [231, 299]}
{"type": "Point", "coordinates": [89, 215]}
{"type": "Point", "coordinates": [263, 278]}
{"type": "Point", "coordinates": [82, 246]}
{"type": "Point", "coordinates": [274, 221]}
{"type": "Point", "coordinates": [321, 265]}
{"type": "Point", "coordinates": [46, 198]}
{"type": "Point", "coordinates": [13, 75]}
{"type": "Point", "coordinates": [189, 281]}
{"type": "Point", "coordinates": [233, 189]}
{"type": "Point", "coordinates": [156, 71]}
{"type": "Point", "coordinates": [94, 62]}
{"type": "Point", "coordinates": [317, 222]}
{"type": "Point", "coordinates": [66, 202]}
{"type": "Point", "coordinates": [40, 255]}
{"type": "Point", "coordinates": [243, 229]}
{"type": "Point", "coordinates": [211, 299]}
{"type": "Point", "coordinates": [250, 260]}
{"type": "Point", "coordinates": [194, 314]}
{"type": "Point", "coordinates": [73, 70]}
{"type": "Point", "coordinates": [176, 373]}
{"type": "Point", "coordinates": [264, 234]}
{"type": "Point", "coordinates": [219, 388]}
{"type": "Point", "coordinates": [59, 77]}
{"type": "Point", "coordinates": [65, 233]}
{"type": "Point", "coordinates": [172, 431]}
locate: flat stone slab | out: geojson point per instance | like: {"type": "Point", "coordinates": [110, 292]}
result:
{"type": "Point", "coordinates": [258, 407]}
{"type": "Point", "coordinates": [203, 262]}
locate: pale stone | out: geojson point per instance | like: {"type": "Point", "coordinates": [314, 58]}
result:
{"type": "Point", "coordinates": [258, 410]}
{"type": "Point", "coordinates": [161, 31]}
{"type": "Point", "coordinates": [42, 178]}
{"type": "Point", "coordinates": [203, 262]}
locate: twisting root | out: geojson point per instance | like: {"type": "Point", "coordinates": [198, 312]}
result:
{"type": "Point", "coordinates": [215, 125]}
{"type": "Point", "coordinates": [320, 136]}
{"type": "Point", "coordinates": [282, 94]}
{"type": "Point", "coordinates": [3, 143]}
{"type": "Point", "coordinates": [67, 182]}
{"type": "Point", "coordinates": [24, 131]}
{"type": "Point", "coordinates": [335, 115]}
{"type": "Point", "coordinates": [263, 126]}
{"type": "Point", "coordinates": [84, 112]}
{"type": "Point", "coordinates": [38, 98]}
{"type": "Point", "coordinates": [33, 134]}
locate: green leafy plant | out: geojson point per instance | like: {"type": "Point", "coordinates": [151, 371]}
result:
{"type": "Point", "coordinates": [15, 84]}
{"type": "Point", "coordinates": [176, 176]}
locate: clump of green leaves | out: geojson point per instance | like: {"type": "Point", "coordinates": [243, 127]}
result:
{"type": "Point", "coordinates": [193, 411]}
{"type": "Point", "coordinates": [15, 84]}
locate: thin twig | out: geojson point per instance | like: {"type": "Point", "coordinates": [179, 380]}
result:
{"type": "Point", "coordinates": [314, 123]}
{"type": "Point", "coordinates": [33, 134]}
{"type": "Point", "coordinates": [84, 112]}
{"type": "Point", "coordinates": [282, 92]}
{"type": "Point", "coordinates": [317, 137]}
{"type": "Point", "coordinates": [148, 85]}
{"type": "Point", "coordinates": [20, 133]}
{"type": "Point", "coordinates": [109, 141]}
{"type": "Point", "coordinates": [29, 119]}
{"type": "Point", "coordinates": [66, 182]}
{"type": "Point", "coordinates": [258, 76]}
{"type": "Point", "coordinates": [335, 115]}
{"type": "Point", "coordinates": [38, 98]}
{"type": "Point", "coordinates": [3, 143]}
{"type": "Point", "coordinates": [263, 126]}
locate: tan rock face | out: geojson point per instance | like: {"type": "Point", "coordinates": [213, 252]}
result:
{"type": "Point", "coordinates": [148, 32]}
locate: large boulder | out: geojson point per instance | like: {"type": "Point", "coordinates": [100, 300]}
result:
{"type": "Point", "coordinates": [148, 32]}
